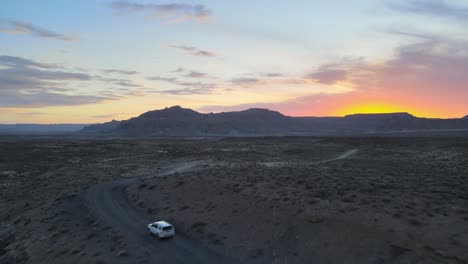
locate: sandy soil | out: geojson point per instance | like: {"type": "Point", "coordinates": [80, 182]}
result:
{"type": "Point", "coordinates": [272, 200]}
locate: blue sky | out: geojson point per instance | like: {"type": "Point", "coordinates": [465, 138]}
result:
{"type": "Point", "coordinates": [91, 61]}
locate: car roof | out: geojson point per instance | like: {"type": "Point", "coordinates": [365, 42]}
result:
{"type": "Point", "coordinates": [162, 223]}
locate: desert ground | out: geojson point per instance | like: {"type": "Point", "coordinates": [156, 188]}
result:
{"type": "Point", "coordinates": [234, 200]}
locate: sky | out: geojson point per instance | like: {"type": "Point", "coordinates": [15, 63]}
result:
{"type": "Point", "coordinates": [93, 61]}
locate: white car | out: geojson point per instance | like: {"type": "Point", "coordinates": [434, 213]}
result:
{"type": "Point", "coordinates": [161, 229]}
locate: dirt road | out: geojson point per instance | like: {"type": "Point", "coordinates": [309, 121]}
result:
{"type": "Point", "coordinates": [110, 204]}
{"type": "Point", "coordinates": [344, 155]}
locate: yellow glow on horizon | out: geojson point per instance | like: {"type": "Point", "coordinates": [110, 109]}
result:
{"type": "Point", "coordinates": [375, 108]}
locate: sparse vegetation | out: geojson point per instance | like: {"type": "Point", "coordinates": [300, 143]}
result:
{"type": "Point", "coordinates": [390, 196]}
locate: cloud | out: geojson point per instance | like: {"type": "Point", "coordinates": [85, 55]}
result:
{"type": "Point", "coordinates": [32, 114]}
{"type": "Point", "coordinates": [186, 87]}
{"type": "Point", "coordinates": [126, 83]}
{"type": "Point", "coordinates": [172, 80]}
{"type": "Point", "coordinates": [27, 83]}
{"type": "Point", "coordinates": [288, 107]}
{"type": "Point", "coordinates": [178, 70]}
{"type": "Point", "coordinates": [172, 13]}
{"type": "Point", "coordinates": [20, 27]}
{"type": "Point", "coordinates": [196, 74]}
{"type": "Point", "coordinates": [245, 81]}
{"type": "Point", "coordinates": [273, 74]}
{"type": "Point", "coordinates": [328, 76]}
{"type": "Point", "coordinates": [430, 66]}
{"type": "Point", "coordinates": [310, 105]}
{"type": "Point", "coordinates": [11, 61]}
{"type": "Point", "coordinates": [115, 81]}
{"type": "Point", "coordinates": [262, 80]}
{"type": "Point", "coordinates": [28, 75]}
{"type": "Point", "coordinates": [107, 116]}
{"type": "Point", "coordinates": [186, 91]}
{"type": "Point", "coordinates": [427, 78]}
{"type": "Point", "coordinates": [439, 8]}
{"type": "Point", "coordinates": [45, 99]}
{"type": "Point", "coordinates": [194, 51]}
{"type": "Point", "coordinates": [414, 35]}
{"type": "Point", "coordinates": [120, 71]}
{"type": "Point", "coordinates": [192, 74]}
{"type": "Point", "coordinates": [205, 53]}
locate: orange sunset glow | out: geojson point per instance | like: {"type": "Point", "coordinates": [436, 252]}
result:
{"type": "Point", "coordinates": [212, 61]}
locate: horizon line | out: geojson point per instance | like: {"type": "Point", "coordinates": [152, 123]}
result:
{"type": "Point", "coordinates": [343, 116]}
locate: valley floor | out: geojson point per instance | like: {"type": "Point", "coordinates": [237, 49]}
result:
{"type": "Point", "coordinates": [263, 200]}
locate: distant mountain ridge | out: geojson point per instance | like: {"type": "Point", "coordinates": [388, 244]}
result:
{"type": "Point", "coordinates": [40, 128]}
{"type": "Point", "coordinates": [178, 121]}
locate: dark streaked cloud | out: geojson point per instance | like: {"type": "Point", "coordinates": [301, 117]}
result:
{"type": "Point", "coordinates": [411, 34]}
{"type": "Point", "coordinates": [204, 53]}
{"type": "Point", "coordinates": [184, 87]}
{"type": "Point", "coordinates": [106, 116]}
{"type": "Point", "coordinates": [272, 74]}
{"type": "Point", "coordinates": [327, 76]}
{"type": "Point", "coordinates": [27, 75]}
{"type": "Point", "coordinates": [245, 81]}
{"type": "Point", "coordinates": [21, 27]}
{"type": "Point", "coordinates": [267, 78]}
{"type": "Point", "coordinates": [196, 74]}
{"type": "Point", "coordinates": [12, 61]}
{"type": "Point", "coordinates": [126, 83]}
{"type": "Point", "coordinates": [429, 73]}
{"type": "Point", "coordinates": [178, 70]}
{"type": "Point", "coordinates": [174, 12]}
{"type": "Point", "coordinates": [194, 51]}
{"type": "Point", "coordinates": [430, 64]}
{"type": "Point", "coordinates": [267, 81]}
{"type": "Point", "coordinates": [179, 82]}
{"type": "Point", "coordinates": [439, 8]}
{"type": "Point", "coordinates": [125, 72]}
{"type": "Point", "coordinates": [172, 80]}
{"type": "Point", "coordinates": [114, 81]}
{"type": "Point", "coordinates": [193, 74]}
{"type": "Point", "coordinates": [44, 99]}
{"type": "Point", "coordinates": [28, 83]}
{"type": "Point", "coordinates": [186, 91]}
{"type": "Point", "coordinates": [32, 114]}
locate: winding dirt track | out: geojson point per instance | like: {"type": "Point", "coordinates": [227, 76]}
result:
{"type": "Point", "coordinates": [342, 156]}
{"type": "Point", "coordinates": [111, 205]}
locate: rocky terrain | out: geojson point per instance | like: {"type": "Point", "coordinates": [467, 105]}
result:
{"type": "Point", "coordinates": [178, 121]}
{"type": "Point", "coordinates": [246, 200]}
{"type": "Point", "coordinates": [182, 122]}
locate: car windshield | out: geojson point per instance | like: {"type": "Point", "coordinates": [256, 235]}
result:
{"type": "Point", "coordinates": [167, 228]}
